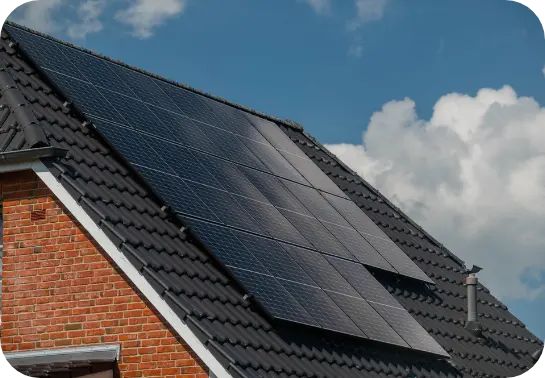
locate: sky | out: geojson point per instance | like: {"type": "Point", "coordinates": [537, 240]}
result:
{"type": "Point", "coordinates": [438, 104]}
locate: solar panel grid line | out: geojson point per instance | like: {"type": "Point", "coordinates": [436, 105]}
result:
{"type": "Point", "coordinates": [85, 96]}
{"type": "Point", "coordinates": [318, 267]}
{"type": "Point", "coordinates": [96, 70]}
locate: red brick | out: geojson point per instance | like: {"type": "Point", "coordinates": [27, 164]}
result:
{"type": "Point", "coordinates": [59, 290]}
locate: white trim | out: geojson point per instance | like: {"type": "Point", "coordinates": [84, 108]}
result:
{"type": "Point", "coordinates": [99, 352]}
{"type": "Point", "coordinates": [124, 264]}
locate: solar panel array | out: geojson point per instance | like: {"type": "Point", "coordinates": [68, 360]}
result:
{"type": "Point", "coordinates": [256, 201]}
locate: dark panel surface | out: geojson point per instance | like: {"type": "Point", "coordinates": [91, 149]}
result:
{"type": "Point", "coordinates": [280, 303]}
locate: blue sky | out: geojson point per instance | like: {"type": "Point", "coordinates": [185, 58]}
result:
{"type": "Point", "coordinates": [464, 166]}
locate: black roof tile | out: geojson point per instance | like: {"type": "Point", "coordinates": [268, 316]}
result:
{"type": "Point", "coordinates": [203, 294]}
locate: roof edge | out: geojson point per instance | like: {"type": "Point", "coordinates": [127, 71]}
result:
{"type": "Point", "coordinates": [31, 154]}
{"type": "Point", "coordinates": [289, 123]}
{"type": "Point", "coordinates": [126, 266]}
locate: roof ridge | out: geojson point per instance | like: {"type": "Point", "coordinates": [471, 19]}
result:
{"type": "Point", "coordinates": [33, 132]}
{"type": "Point", "coordinates": [286, 122]}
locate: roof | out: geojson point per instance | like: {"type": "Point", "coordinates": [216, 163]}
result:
{"type": "Point", "coordinates": [211, 303]}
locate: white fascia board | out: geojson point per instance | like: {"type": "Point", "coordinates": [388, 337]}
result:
{"type": "Point", "coordinates": [123, 263]}
{"type": "Point", "coordinates": [51, 356]}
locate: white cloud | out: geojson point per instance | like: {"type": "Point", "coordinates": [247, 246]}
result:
{"type": "Point", "coordinates": [88, 22]}
{"type": "Point", "coordinates": [366, 11]}
{"type": "Point", "coordinates": [473, 176]}
{"type": "Point", "coordinates": [543, 70]}
{"type": "Point", "coordinates": [38, 15]}
{"type": "Point", "coordinates": [356, 50]}
{"type": "Point", "coordinates": [319, 6]}
{"type": "Point", "coordinates": [145, 15]}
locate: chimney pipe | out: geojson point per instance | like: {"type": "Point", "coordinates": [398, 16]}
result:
{"type": "Point", "coordinates": [471, 281]}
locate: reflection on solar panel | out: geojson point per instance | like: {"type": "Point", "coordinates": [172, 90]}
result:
{"type": "Point", "coordinates": [264, 209]}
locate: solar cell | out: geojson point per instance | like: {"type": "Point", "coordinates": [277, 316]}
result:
{"type": "Point", "coordinates": [363, 281]}
{"type": "Point", "coordinates": [223, 243]}
{"type": "Point", "coordinates": [96, 71]}
{"type": "Point", "coordinates": [226, 208]}
{"type": "Point", "coordinates": [231, 147]}
{"type": "Point", "coordinates": [233, 120]}
{"type": "Point", "coordinates": [177, 194]}
{"type": "Point", "coordinates": [133, 146]}
{"type": "Point", "coordinates": [317, 234]}
{"type": "Point", "coordinates": [85, 96]}
{"type": "Point", "coordinates": [274, 161]}
{"type": "Point", "coordinates": [182, 162]}
{"type": "Point", "coordinates": [274, 135]}
{"type": "Point", "coordinates": [273, 189]}
{"type": "Point", "coordinates": [277, 261]}
{"type": "Point", "coordinates": [183, 130]}
{"type": "Point", "coordinates": [188, 103]}
{"type": "Point", "coordinates": [321, 271]}
{"type": "Point", "coordinates": [313, 174]}
{"type": "Point", "coordinates": [397, 258]}
{"type": "Point", "coordinates": [280, 303]}
{"type": "Point", "coordinates": [322, 308]}
{"type": "Point", "coordinates": [230, 176]}
{"type": "Point", "coordinates": [44, 52]}
{"type": "Point", "coordinates": [367, 319]}
{"type": "Point", "coordinates": [359, 247]}
{"type": "Point", "coordinates": [135, 113]}
{"type": "Point", "coordinates": [273, 221]}
{"type": "Point", "coordinates": [355, 216]}
{"type": "Point", "coordinates": [143, 87]}
{"type": "Point", "coordinates": [408, 328]}
{"type": "Point", "coordinates": [315, 203]}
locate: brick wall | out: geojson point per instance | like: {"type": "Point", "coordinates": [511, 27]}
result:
{"type": "Point", "coordinates": [59, 290]}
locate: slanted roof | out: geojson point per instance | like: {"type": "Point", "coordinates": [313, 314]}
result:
{"type": "Point", "coordinates": [206, 298]}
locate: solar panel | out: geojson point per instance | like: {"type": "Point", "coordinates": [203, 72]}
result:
{"type": "Point", "coordinates": [231, 147]}
{"type": "Point", "coordinates": [86, 97]}
{"type": "Point", "coordinates": [367, 319]}
{"type": "Point", "coordinates": [322, 308]}
{"type": "Point", "coordinates": [133, 146]}
{"type": "Point", "coordinates": [177, 194]}
{"type": "Point", "coordinates": [274, 161]}
{"type": "Point", "coordinates": [96, 70]}
{"type": "Point", "coordinates": [281, 303]}
{"type": "Point", "coordinates": [226, 208]}
{"type": "Point", "coordinates": [321, 271]}
{"type": "Point", "coordinates": [359, 247]}
{"type": "Point", "coordinates": [188, 103]}
{"type": "Point", "coordinates": [44, 52]}
{"type": "Point", "coordinates": [143, 87]}
{"type": "Point", "coordinates": [231, 177]}
{"type": "Point", "coordinates": [354, 215]}
{"type": "Point", "coordinates": [182, 130]}
{"type": "Point", "coordinates": [363, 281]}
{"type": "Point", "coordinates": [233, 120]}
{"type": "Point", "coordinates": [275, 258]}
{"type": "Point", "coordinates": [273, 189]}
{"type": "Point", "coordinates": [255, 200]}
{"type": "Point", "coordinates": [273, 221]}
{"type": "Point", "coordinates": [316, 204]}
{"type": "Point", "coordinates": [408, 328]}
{"type": "Point", "coordinates": [317, 234]}
{"type": "Point", "coordinates": [223, 243]}
{"type": "Point", "coordinates": [397, 258]}
{"type": "Point", "coordinates": [135, 113]}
